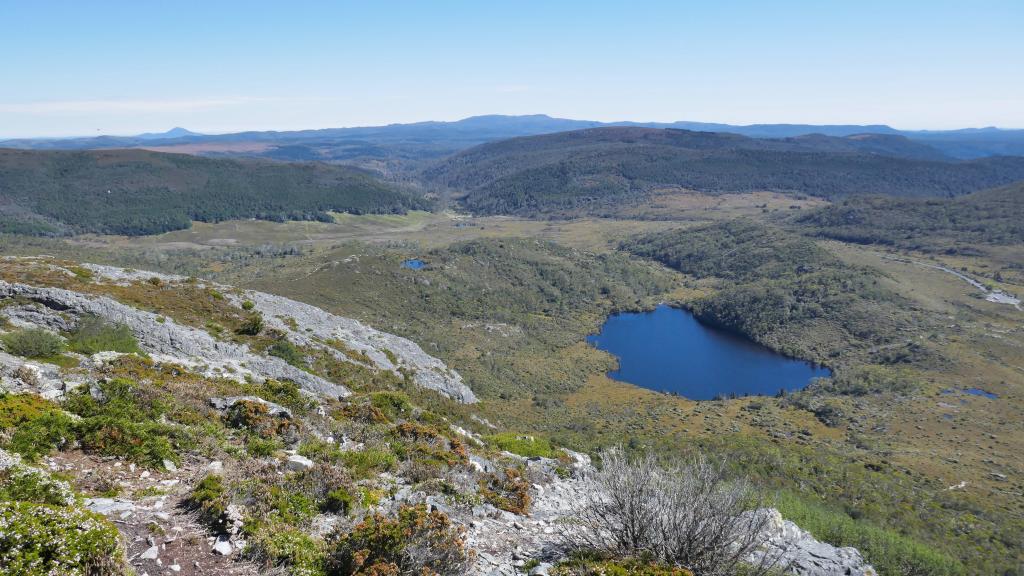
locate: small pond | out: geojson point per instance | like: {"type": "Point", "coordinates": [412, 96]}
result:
{"type": "Point", "coordinates": [413, 263]}
{"type": "Point", "coordinates": [668, 350]}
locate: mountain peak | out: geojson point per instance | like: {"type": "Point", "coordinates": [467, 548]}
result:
{"type": "Point", "coordinates": [176, 132]}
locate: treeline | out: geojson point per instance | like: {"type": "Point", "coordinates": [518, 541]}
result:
{"type": "Point", "coordinates": [990, 217]}
{"type": "Point", "coordinates": [137, 192]}
{"type": "Point", "coordinates": [784, 291]}
{"type": "Point", "coordinates": [595, 168]}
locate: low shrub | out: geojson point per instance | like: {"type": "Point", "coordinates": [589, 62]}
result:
{"type": "Point", "coordinates": [526, 446]}
{"type": "Point", "coordinates": [40, 540]}
{"type": "Point", "coordinates": [416, 542]}
{"type": "Point", "coordinates": [252, 325]}
{"type": "Point", "coordinates": [126, 421]}
{"type": "Point", "coordinates": [147, 443]}
{"type": "Point", "coordinates": [32, 343]}
{"type": "Point", "coordinates": [40, 436]}
{"type": "Point", "coordinates": [583, 565]}
{"type": "Point", "coordinates": [287, 394]}
{"type": "Point", "coordinates": [509, 490]}
{"type": "Point", "coordinates": [256, 418]}
{"type": "Point", "coordinates": [298, 553]}
{"type": "Point", "coordinates": [259, 447]}
{"type": "Point", "coordinates": [369, 462]}
{"type": "Point", "coordinates": [320, 451]}
{"type": "Point", "coordinates": [18, 409]}
{"type": "Point", "coordinates": [392, 404]}
{"type": "Point", "coordinates": [93, 334]}
{"type": "Point", "coordinates": [288, 352]}
{"type": "Point", "coordinates": [26, 484]}
{"type": "Point", "coordinates": [339, 501]}
{"type": "Point", "coordinates": [209, 498]}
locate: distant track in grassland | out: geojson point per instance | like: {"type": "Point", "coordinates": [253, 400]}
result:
{"type": "Point", "coordinates": [996, 296]}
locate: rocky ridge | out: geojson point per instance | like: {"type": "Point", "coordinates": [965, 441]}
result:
{"type": "Point", "coordinates": [162, 337]}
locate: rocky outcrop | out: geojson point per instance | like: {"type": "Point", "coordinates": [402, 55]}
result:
{"type": "Point", "coordinates": [165, 339]}
{"type": "Point", "coordinates": [309, 326]}
{"type": "Point", "coordinates": [386, 351]}
{"type": "Point", "coordinates": [796, 549]}
{"type": "Point", "coordinates": [504, 542]}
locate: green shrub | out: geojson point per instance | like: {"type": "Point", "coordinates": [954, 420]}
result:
{"type": "Point", "coordinates": [527, 446]}
{"type": "Point", "coordinates": [39, 436]}
{"type": "Point", "coordinates": [369, 462]}
{"type": "Point", "coordinates": [258, 447]}
{"type": "Point", "coordinates": [287, 394]}
{"type": "Point", "coordinates": [416, 542]}
{"type": "Point", "coordinates": [93, 334]}
{"type": "Point", "coordinates": [40, 540]}
{"type": "Point", "coordinates": [339, 501]}
{"type": "Point", "coordinates": [248, 305]}
{"type": "Point", "coordinates": [32, 343]}
{"type": "Point", "coordinates": [288, 352]}
{"type": "Point", "coordinates": [889, 551]}
{"type": "Point", "coordinates": [586, 566]}
{"type": "Point", "coordinates": [145, 443]}
{"type": "Point", "coordinates": [252, 325]}
{"type": "Point", "coordinates": [277, 545]}
{"type": "Point", "coordinates": [392, 404]}
{"type": "Point", "coordinates": [26, 484]}
{"type": "Point", "coordinates": [291, 506]}
{"type": "Point", "coordinates": [17, 409]}
{"type": "Point", "coordinates": [320, 451]}
{"type": "Point", "coordinates": [209, 497]}
{"type": "Point", "coordinates": [126, 421]}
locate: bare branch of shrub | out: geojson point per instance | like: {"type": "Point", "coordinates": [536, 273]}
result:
{"type": "Point", "coordinates": [689, 515]}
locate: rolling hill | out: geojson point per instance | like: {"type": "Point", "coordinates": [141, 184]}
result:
{"type": "Point", "coordinates": [994, 217]}
{"type": "Point", "coordinates": [600, 167]}
{"type": "Point", "coordinates": [138, 192]}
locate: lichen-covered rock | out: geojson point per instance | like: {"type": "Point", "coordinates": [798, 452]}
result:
{"type": "Point", "coordinates": [803, 554]}
{"type": "Point", "coordinates": [385, 350]}
{"type": "Point", "coordinates": [275, 410]}
{"type": "Point", "coordinates": [504, 540]}
{"type": "Point", "coordinates": [20, 375]}
{"type": "Point", "coordinates": [310, 326]}
{"type": "Point", "coordinates": [166, 340]}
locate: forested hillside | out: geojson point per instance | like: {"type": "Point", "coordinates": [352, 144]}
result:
{"type": "Point", "coordinates": [137, 192]}
{"type": "Point", "coordinates": [987, 217]}
{"type": "Point", "coordinates": [607, 166]}
{"type": "Point", "coordinates": [781, 287]}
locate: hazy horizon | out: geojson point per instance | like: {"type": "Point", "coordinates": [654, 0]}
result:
{"type": "Point", "coordinates": [610, 121]}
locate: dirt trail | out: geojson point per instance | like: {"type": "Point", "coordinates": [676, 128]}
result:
{"type": "Point", "coordinates": [996, 296]}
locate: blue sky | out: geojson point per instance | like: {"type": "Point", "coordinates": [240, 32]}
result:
{"type": "Point", "coordinates": [122, 67]}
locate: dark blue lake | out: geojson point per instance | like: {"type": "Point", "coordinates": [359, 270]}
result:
{"type": "Point", "coordinates": [668, 350]}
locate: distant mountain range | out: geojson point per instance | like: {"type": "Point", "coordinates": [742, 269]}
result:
{"type": "Point", "coordinates": [419, 141]}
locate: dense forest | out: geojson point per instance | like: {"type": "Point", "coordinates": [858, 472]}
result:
{"type": "Point", "coordinates": [987, 217]}
{"type": "Point", "coordinates": [607, 166]}
{"type": "Point", "coordinates": [783, 287]}
{"type": "Point", "coordinates": [137, 192]}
